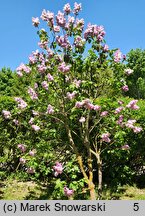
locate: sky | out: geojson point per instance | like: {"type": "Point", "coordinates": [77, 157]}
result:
{"type": "Point", "coordinates": [123, 20]}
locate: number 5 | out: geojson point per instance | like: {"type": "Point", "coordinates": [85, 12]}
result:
{"type": "Point", "coordinates": [136, 207]}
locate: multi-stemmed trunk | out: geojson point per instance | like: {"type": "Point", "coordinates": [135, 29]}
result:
{"type": "Point", "coordinates": [89, 177]}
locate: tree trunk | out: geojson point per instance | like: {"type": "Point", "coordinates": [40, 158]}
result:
{"type": "Point", "coordinates": [92, 191]}
{"type": "Point", "coordinates": [91, 185]}
{"type": "Point", "coordinates": [99, 177]}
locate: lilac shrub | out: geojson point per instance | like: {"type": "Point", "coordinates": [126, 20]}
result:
{"type": "Point", "coordinates": [70, 91]}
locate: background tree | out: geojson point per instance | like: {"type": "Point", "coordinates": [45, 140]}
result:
{"type": "Point", "coordinates": [136, 82]}
{"type": "Point", "coordinates": [6, 81]}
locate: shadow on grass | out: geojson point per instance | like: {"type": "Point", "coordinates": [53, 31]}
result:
{"type": "Point", "coordinates": [40, 192]}
{"type": "Point", "coordinates": [1, 192]}
{"type": "Point", "coordinates": [113, 193]}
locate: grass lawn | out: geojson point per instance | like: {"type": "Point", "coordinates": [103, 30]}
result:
{"type": "Point", "coordinates": [133, 193]}
{"type": "Point", "coordinates": [15, 190]}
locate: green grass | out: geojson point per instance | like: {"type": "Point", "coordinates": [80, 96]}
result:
{"type": "Point", "coordinates": [133, 193]}
{"type": "Point", "coordinates": [13, 189]}
{"type": "Point", "coordinates": [16, 190]}
{"type": "Point", "coordinates": [125, 193]}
